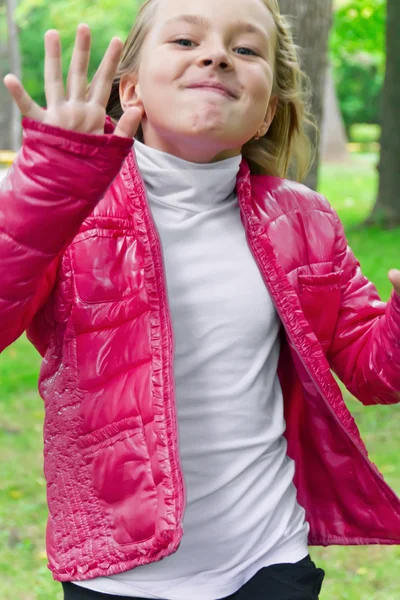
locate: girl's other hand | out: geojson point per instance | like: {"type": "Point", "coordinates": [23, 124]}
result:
{"type": "Point", "coordinates": [75, 109]}
{"type": "Point", "coordinates": [394, 277]}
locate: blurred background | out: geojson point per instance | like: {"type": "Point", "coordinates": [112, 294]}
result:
{"type": "Point", "coordinates": [351, 51]}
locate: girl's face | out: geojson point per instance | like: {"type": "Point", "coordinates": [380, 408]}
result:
{"type": "Point", "coordinates": [205, 77]}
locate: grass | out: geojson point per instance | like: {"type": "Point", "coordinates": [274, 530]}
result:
{"type": "Point", "coordinates": [361, 573]}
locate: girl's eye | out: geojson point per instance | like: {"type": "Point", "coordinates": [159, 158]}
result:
{"type": "Point", "coordinates": [247, 51]}
{"type": "Point", "coordinates": [184, 42]}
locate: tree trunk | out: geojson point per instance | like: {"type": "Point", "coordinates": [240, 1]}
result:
{"type": "Point", "coordinates": [333, 134]}
{"type": "Point", "coordinates": [311, 22]}
{"type": "Point", "coordinates": [387, 207]}
{"type": "Point", "coordinates": [15, 68]}
{"type": "Point", "coordinates": [5, 100]}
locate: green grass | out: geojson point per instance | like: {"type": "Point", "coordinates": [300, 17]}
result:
{"type": "Point", "coordinates": [367, 573]}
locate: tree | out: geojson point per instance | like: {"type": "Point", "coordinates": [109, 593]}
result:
{"type": "Point", "coordinates": [311, 21]}
{"type": "Point", "coordinates": [15, 67]}
{"type": "Point", "coordinates": [333, 140]}
{"type": "Point", "coordinates": [387, 207]}
{"type": "Point", "coordinates": [357, 46]}
{"type": "Point", "coordinates": [5, 101]}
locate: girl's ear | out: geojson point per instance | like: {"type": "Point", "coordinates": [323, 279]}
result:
{"type": "Point", "coordinates": [129, 93]}
{"type": "Point", "coordinates": [269, 115]}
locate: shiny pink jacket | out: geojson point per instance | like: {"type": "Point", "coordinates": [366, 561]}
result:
{"type": "Point", "coordinates": [81, 269]}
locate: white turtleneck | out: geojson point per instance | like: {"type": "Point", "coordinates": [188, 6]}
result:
{"type": "Point", "coordinates": [241, 512]}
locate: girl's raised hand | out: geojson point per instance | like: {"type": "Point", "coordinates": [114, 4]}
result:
{"type": "Point", "coordinates": [74, 109]}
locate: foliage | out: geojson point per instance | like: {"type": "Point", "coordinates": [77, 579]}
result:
{"type": "Point", "coordinates": [358, 56]}
{"type": "Point", "coordinates": [359, 84]}
{"type": "Point", "coordinates": [363, 133]}
{"type": "Point", "coordinates": [105, 18]}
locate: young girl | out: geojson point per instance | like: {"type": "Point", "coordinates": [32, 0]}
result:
{"type": "Point", "coordinates": [189, 304]}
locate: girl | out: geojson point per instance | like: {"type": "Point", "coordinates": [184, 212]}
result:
{"type": "Point", "coordinates": [189, 304]}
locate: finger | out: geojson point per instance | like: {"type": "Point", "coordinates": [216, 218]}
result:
{"type": "Point", "coordinates": [77, 74]}
{"type": "Point", "coordinates": [53, 80]}
{"type": "Point", "coordinates": [394, 277]}
{"type": "Point", "coordinates": [22, 99]}
{"type": "Point", "coordinates": [129, 123]}
{"type": "Point", "coordinates": [102, 81]}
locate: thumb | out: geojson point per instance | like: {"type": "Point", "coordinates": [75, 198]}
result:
{"type": "Point", "coordinates": [129, 123]}
{"type": "Point", "coordinates": [394, 277]}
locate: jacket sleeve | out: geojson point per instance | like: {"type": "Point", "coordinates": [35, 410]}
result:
{"type": "Point", "coordinates": [365, 351]}
{"type": "Point", "coordinates": [55, 182]}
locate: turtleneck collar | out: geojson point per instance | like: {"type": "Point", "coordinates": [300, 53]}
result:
{"type": "Point", "coordinates": [183, 184]}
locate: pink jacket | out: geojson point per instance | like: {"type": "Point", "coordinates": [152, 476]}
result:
{"type": "Point", "coordinates": [81, 269]}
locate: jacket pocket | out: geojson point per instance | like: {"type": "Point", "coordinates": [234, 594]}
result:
{"type": "Point", "coordinates": [107, 266]}
{"type": "Point", "coordinates": [320, 297]}
{"type": "Point", "coordinates": [119, 465]}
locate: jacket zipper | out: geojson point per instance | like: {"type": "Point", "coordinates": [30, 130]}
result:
{"type": "Point", "coordinates": [182, 490]}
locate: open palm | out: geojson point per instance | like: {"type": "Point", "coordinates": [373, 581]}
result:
{"type": "Point", "coordinates": [74, 108]}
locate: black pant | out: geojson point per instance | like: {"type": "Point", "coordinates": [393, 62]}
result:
{"type": "Point", "coordinates": [298, 581]}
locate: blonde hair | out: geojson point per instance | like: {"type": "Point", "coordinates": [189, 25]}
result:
{"type": "Point", "coordinates": [286, 144]}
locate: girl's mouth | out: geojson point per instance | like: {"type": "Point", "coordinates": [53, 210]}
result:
{"type": "Point", "coordinates": [214, 86]}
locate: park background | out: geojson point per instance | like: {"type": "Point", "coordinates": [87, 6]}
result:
{"type": "Point", "coordinates": [346, 46]}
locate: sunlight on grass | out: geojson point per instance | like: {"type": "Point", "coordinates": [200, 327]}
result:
{"type": "Point", "coordinates": [351, 187]}
{"type": "Point", "coordinates": [369, 573]}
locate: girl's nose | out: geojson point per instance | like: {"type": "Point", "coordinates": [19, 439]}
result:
{"type": "Point", "coordinates": [217, 58]}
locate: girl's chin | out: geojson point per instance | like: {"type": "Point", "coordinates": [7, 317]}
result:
{"type": "Point", "coordinates": [209, 117]}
